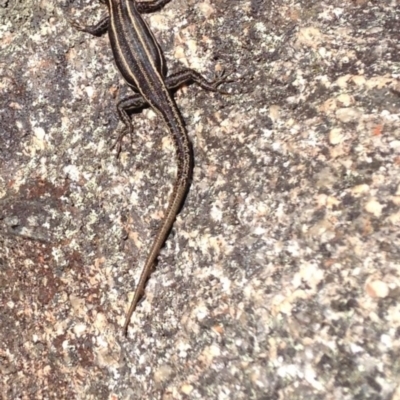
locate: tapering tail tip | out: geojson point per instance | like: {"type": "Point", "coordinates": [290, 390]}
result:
{"type": "Point", "coordinates": [126, 325]}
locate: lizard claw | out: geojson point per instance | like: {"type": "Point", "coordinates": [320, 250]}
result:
{"type": "Point", "coordinates": [74, 24]}
{"type": "Point", "coordinates": [118, 141]}
{"type": "Point", "coordinates": [220, 78]}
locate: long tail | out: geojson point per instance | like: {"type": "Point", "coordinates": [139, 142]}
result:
{"type": "Point", "coordinates": [181, 186]}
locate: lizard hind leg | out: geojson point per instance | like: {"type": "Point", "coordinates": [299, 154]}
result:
{"type": "Point", "coordinates": [188, 75]}
{"type": "Point", "coordinates": [124, 108]}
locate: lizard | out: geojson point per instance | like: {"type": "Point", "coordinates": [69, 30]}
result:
{"type": "Point", "coordinates": [140, 60]}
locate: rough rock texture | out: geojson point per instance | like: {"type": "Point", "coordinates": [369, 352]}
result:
{"type": "Point", "coordinates": [281, 276]}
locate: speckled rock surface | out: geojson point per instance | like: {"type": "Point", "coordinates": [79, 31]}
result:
{"type": "Point", "coordinates": [281, 277]}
